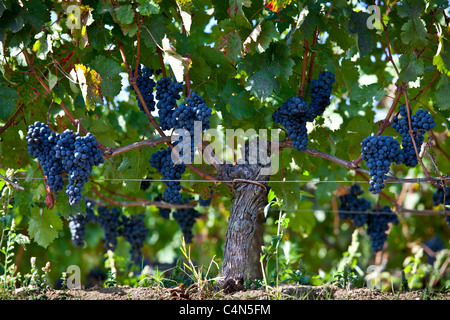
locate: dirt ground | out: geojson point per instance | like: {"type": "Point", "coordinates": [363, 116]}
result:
{"type": "Point", "coordinates": [286, 292]}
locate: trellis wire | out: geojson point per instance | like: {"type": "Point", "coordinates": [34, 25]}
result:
{"type": "Point", "coordinates": [404, 181]}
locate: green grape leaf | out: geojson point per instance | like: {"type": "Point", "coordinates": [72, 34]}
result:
{"type": "Point", "coordinates": [109, 70]}
{"type": "Point", "coordinates": [442, 93]}
{"type": "Point", "coordinates": [7, 97]}
{"type": "Point", "coordinates": [414, 33]}
{"type": "Point", "coordinates": [366, 94]}
{"type": "Point", "coordinates": [411, 67]}
{"type": "Point", "coordinates": [261, 37]}
{"type": "Point", "coordinates": [148, 7]}
{"type": "Point", "coordinates": [63, 206]}
{"type": "Point", "coordinates": [238, 100]}
{"type": "Point", "coordinates": [44, 228]}
{"type": "Point", "coordinates": [135, 165]}
{"type": "Point", "coordinates": [263, 82]}
{"type": "Point", "coordinates": [125, 14]}
{"type": "Point", "coordinates": [229, 42]}
{"type": "Point", "coordinates": [442, 58]}
{"type": "Point", "coordinates": [366, 38]}
{"type": "Point", "coordinates": [411, 9]}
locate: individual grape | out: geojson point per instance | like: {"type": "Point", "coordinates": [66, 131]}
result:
{"type": "Point", "coordinates": [77, 226]}
{"type": "Point", "coordinates": [134, 231]}
{"type": "Point", "coordinates": [353, 208]}
{"type": "Point", "coordinates": [379, 152]}
{"type": "Point", "coordinates": [186, 219]}
{"type": "Point", "coordinates": [378, 224]}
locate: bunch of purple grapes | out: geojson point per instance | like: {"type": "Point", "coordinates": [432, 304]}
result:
{"type": "Point", "coordinates": [295, 112]}
{"type": "Point", "coordinates": [66, 152]}
{"type": "Point", "coordinates": [354, 208]}
{"type": "Point", "coordinates": [421, 123]}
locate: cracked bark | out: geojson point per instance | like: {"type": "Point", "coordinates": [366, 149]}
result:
{"type": "Point", "coordinates": [244, 232]}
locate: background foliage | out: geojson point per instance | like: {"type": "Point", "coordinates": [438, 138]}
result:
{"type": "Point", "coordinates": [245, 58]}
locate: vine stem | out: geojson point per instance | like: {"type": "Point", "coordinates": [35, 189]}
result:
{"type": "Point", "coordinates": [313, 55]}
{"type": "Point", "coordinates": [305, 63]}
{"type": "Point", "coordinates": [13, 184]}
{"type": "Point", "coordinates": [10, 122]}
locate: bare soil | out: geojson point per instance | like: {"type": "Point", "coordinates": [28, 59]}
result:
{"type": "Point", "coordinates": [286, 292]}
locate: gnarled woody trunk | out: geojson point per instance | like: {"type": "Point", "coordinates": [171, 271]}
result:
{"type": "Point", "coordinates": [248, 205]}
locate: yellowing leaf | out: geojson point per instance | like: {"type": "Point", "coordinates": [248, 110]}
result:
{"type": "Point", "coordinates": [276, 5]}
{"type": "Point", "coordinates": [89, 81]}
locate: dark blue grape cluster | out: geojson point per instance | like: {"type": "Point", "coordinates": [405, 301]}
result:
{"type": "Point", "coordinates": [40, 143]}
{"type": "Point", "coordinates": [77, 226]}
{"type": "Point", "coordinates": [441, 196]}
{"type": "Point", "coordinates": [167, 94]}
{"type": "Point", "coordinates": [66, 152]}
{"type": "Point", "coordinates": [110, 221]}
{"type": "Point", "coordinates": [435, 244]}
{"type": "Point", "coordinates": [193, 109]}
{"type": "Point", "coordinates": [134, 231]}
{"type": "Point", "coordinates": [146, 85]}
{"type": "Point", "coordinates": [293, 115]}
{"type": "Point", "coordinates": [295, 112]}
{"type": "Point", "coordinates": [171, 172]}
{"type": "Point", "coordinates": [321, 92]}
{"type": "Point", "coordinates": [78, 156]}
{"type": "Point", "coordinates": [172, 116]}
{"type": "Point", "coordinates": [206, 202]}
{"type": "Point", "coordinates": [163, 212]}
{"type": "Point", "coordinates": [114, 224]}
{"type": "Point", "coordinates": [354, 208]}
{"type": "Point", "coordinates": [186, 219]}
{"type": "Point", "coordinates": [78, 222]}
{"type": "Point", "coordinates": [379, 152]}
{"type": "Point", "coordinates": [378, 224]}
{"type": "Point", "coordinates": [361, 211]}
{"type": "Point", "coordinates": [421, 123]}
